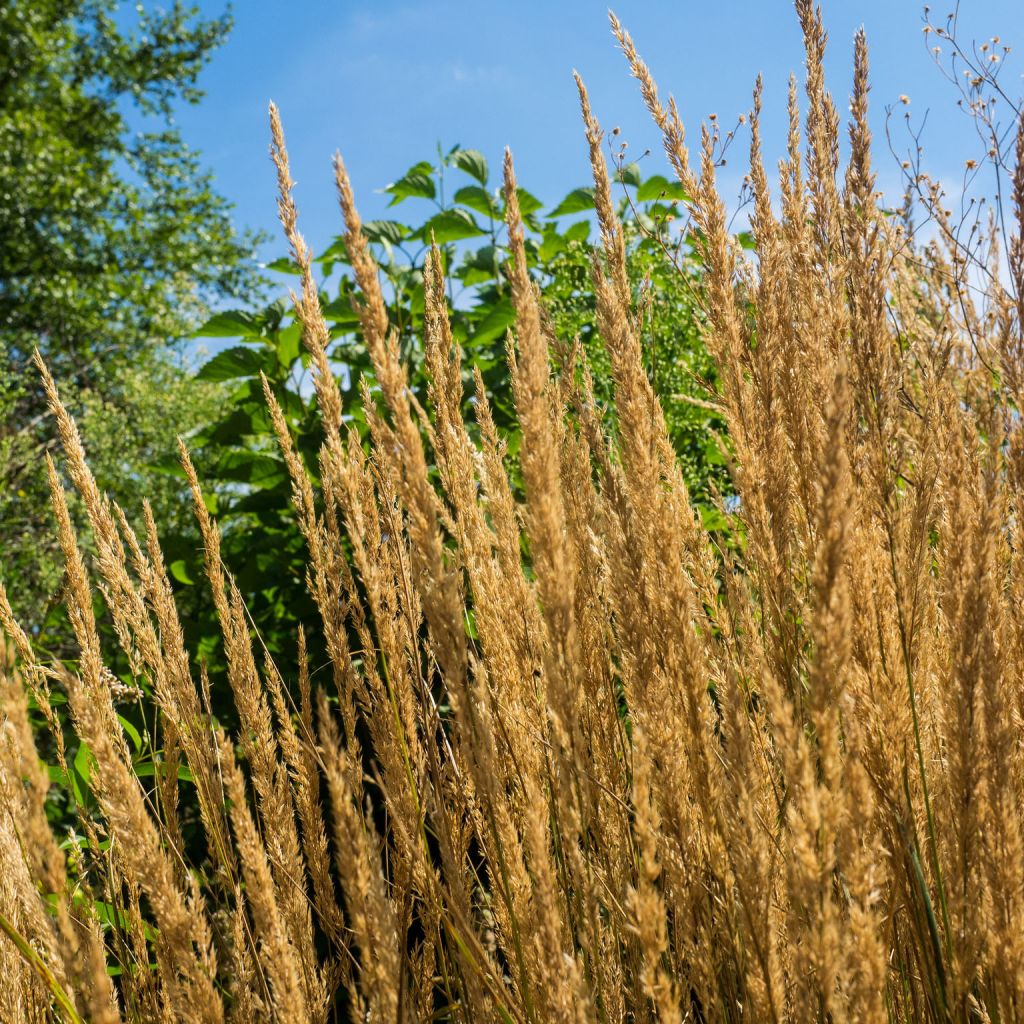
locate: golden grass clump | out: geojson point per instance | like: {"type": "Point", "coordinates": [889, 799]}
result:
{"type": "Point", "coordinates": [578, 758]}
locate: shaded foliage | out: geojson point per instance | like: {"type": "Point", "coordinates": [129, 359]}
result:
{"type": "Point", "coordinates": [237, 452]}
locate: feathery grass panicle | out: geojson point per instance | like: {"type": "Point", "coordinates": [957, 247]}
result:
{"type": "Point", "coordinates": [577, 756]}
{"type": "Point", "coordinates": [315, 333]}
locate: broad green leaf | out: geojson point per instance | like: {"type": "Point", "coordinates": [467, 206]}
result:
{"type": "Point", "coordinates": [179, 570]}
{"type": "Point", "coordinates": [528, 202]}
{"type": "Point", "coordinates": [713, 454]}
{"type": "Point", "coordinates": [578, 200]}
{"type": "Point", "coordinates": [479, 199]}
{"type": "Point", "coordinates": [230, 430]}
{"type": "Point", "coordinates": [629, 175]}
{"type": "Point", "coordinates": [501, 317]}
{"type": "Point", "coordinates": [471, 276]}
{"type": "Point", "coordinates": [659, 187]}
{"type": "Point", "coordinates": [385, 231]}
{"type": "Point", "coordinates": [334, 253]}
{"type": "Point", "coordinates": [712, 519]}
{"type": "Point", "coordinates": [340, 312]}
{"type": "Point", "coordinates": [168, 464]}
{"type": "Point", "coordinates": [230, 323]}
{"type": "Point", "coordinates": [416, 182]}
{"type": "Point", "coordinates": [289, 344]}
{"type": "Point", "coordinates": [251, 468]}
{"type": "Point", "coordinates": [578, 232]}
{"type": "Point", "coordinates": [450, 226]}
{"type": "Point", "coordinates": [417, 297]}
{"type": "Point", "coordinates": [472, 162]}
{"type": "Point", "coordinates": [146, 770]}
{"type": "Point", "coordinates": [132, 732]}
{"type": "Point", "coordinates": [83, 763]}
{"type": "Point", "coordinates": [114, 917]}
{"type": "Point", "coordinates": [284, 265]}
{"type": "Point", "coordinates": [646, 221]}
{"type": "Point", "coordinates": [231, 363]}
{"type": "Point", "coordinates": [552, 243]}
{"type": "Point", "coordinates": [483, 258]}
{"type": "Point", "coordinates": [479, 266]}
{"type": "Point", "coordinates": [663, 211]}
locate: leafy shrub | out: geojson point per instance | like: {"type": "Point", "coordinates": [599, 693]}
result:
{"type": "Point", "coordinates": [237, 454]}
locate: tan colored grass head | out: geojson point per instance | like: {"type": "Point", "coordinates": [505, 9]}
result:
{"type": "Point", "coordinates": [666, 774]}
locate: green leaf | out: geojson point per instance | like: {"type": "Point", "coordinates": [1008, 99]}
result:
{"type": "Point", "coordinates": [479, 199]}
{"type": "Point", "coordinates": [385, 231]}
{"type": "Point", "coordinates": [528, 202]}
{"type": "Point", "coordinates": [284, 265]}
{"type": "Point", "coordinates": [659, 187]}
{"type": "Point", "coordinates": [450, 226]}
{"type": "Point", "coordinates": [334, 253]}
{"type": "Point", "coordinates": [629, 175]}
{"type": "Point", "coordinates": [551, 244]}
{"type": "Point", "coordinates": [168, 464]}
{"type": "Point", "coordinates": [578, 200]}
{"type": "Point", "coordinates": [146, 770]}
{"type": "Point", "coordinates": [487, 257]}
{"type": "Point", "coordinates": [340, 312]}
{"type": "Point", "coordinates": [663, 211]}
{"type": "Point", "coordinates": [229, 430]}
{"type": "Point", "coordinates": [83, 763]}
{"type": "Point", "coordinates": [230, 323]}
{"type": "Point", "coordinates": [53, 700]}
{"type": "Point", "coordinates": [472, 162]}
{"type": "Point", "coordinates": [252, 468]}
{"type": "Point", "coordinates": [646, 222]}
{"type": "Point", "coordinates": [712, 519]}
{"type": "Point", "coordinates": [133, 733]}
{"type": "Point", "coordinates": [501, 317]}
{"type": "Point", "coordinates": [416, 182]}
{"type": "Point", "coordinates": [289, 344]}
{"type": "Point", "coordinates": [179, 570]}
{"type": "Point", "coordinates": [114, 917]}
{"type": "Point", "coordinates": [578, 232]}
{"type": "Point", "coordinates": [713, 454]}
{"type": "Point", "coordinates": [479, 266]}
{"type": "Point", "coordinates": [231, 363]}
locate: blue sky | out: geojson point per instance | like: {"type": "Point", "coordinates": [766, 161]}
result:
{"type": "Point", "coordinates": [385, 81]}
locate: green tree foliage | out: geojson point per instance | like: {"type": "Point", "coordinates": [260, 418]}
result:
{"type": "Point", "coordinates": [113, 242]}
{"type": "Point", "coordinates": [457, 205]}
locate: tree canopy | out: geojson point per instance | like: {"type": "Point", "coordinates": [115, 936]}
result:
{"type": "Point", "coordinates": [113, 239]}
